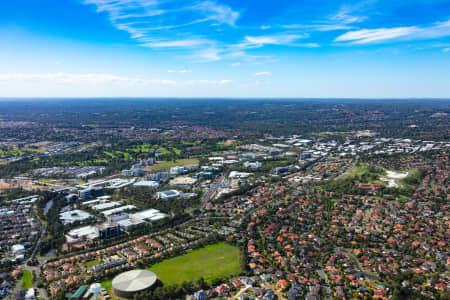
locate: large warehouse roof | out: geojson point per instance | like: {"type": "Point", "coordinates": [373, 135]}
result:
{"type": "Point", "coordinates": [149, 215]}
{"type": "Point", "coordinates": [134, 281]}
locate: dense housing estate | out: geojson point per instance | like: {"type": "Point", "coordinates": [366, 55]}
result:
{"type": "Point", "coordinates": [350, 214]}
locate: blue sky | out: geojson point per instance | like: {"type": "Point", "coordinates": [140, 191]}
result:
{"type": "Point", "coordinates": [225, 48]}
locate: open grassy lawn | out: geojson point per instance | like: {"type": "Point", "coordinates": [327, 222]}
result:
{"type": "Point", "coordinates": [213, 261]}
{"type": "Point", "coordinates": [91, 263]}
{"type": "Point", "coordinates": [165, 165]}
{"type": "Point", "coordinates": [27, 280]}
{"type": "Point", "coordinates": [357, 171]}
{"type": "Point", "coordinates": [106, 284]}
{"type": "Point", "coordinates": [163, 150]}
{"type": "Point", "coordinates": [45, 180]}
{"type": "Point", "coordinates": [110, 154]}
{"type": "Point", "coordinates": [177, 151]}
{"type": "Point", "coordinates": [365, 174]}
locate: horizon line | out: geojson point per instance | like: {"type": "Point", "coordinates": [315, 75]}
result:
{"type": "Point", "coordinates": [223, 98]}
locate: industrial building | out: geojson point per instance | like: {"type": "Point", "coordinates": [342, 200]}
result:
{"type": "Point", "coordinates": [146, 184]}
{"type": "Point", "coordinates": [118, 210]}
{"type": "Point", "coordinates": [90, 192]}
{"type": "Point", "coordinates": [116, 225]}
{"type": "Point", "coordinates": [177, 170]}
{"type": "Point", "coordinates": [159, 176]}
{"type": "Point", "coordinates": [149, 215]}
{"type": "Point", "coordinates": [252, 165]}
{"type": "Point", "coordinates": [107, 205]}
{"type": "Point", "coordinates": [135, 171]}
{"type": "Point", "coordinates": [72, 216]}
{"type": "Point", "coordinates": [108, 230]}
{"type": "Point", "coordinates": [126, 222]}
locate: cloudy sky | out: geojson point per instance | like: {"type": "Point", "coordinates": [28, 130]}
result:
{"type": "Point", "coordinates": [225, 48]}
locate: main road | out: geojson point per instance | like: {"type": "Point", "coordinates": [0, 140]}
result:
{"type": "Point", "coordinates": [212, 190]}
{"type": "Point", "coordinates": [33, 269]}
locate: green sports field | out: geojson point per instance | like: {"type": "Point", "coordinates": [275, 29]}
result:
{"type": "Point", "coordinates": [213, 261]}
{"type": "Point", "coordinates": [27, 280]}
{"type": "Point", "coordinates": [165, 165]}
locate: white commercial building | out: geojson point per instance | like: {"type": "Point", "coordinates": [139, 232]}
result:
{"type": "Point", "coordinates": [147, 184]}
{"type": "Point", "coordinates": [107, 205]}
{"type": "Point", "coordinates": [170, 194]}
{"type": "Point", "coordinates": [252, 165]}
{"type": "Point", "coordinates": [118, 210]}
{"type": "Point", "coordinates": [177, 170]}
{"type": "Point", "coordinates": [86, 232]}
{"type": "Point", "coordinates": [73, 216]}
{"type": "Point", "coordinates": [126, 221]}
{"type": "Point", "coordinates": [236, 174]}
{"type": "Point", "coordinates": [149, 215]}
{"type": "Point", "coordinates": [19, 251]}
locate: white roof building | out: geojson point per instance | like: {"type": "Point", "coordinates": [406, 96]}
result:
{"type": "Point", "coordinates": [235, 174]}
{"type": "Point", "coordinates": [18, 249]}
{"type": "Point", "coordinates": [117, 210]}
{"type": "Point", "coordinates": [168, 194]}
{"type": "Point", "coordinates": [147, 184]}
{"type": "Point", "coordinates": [73, 216]}
{"type": "Point", "coordinates": [107, 205]}
{"type": "Point", "coordinates": [30, 295]}
{"type": "Point", "coordinates": [90, 232]}
{"type": "Point", "coordinates": [149, 215]}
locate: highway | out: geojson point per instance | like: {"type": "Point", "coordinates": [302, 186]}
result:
{"type": "Point", "coordinates": [212, 190]}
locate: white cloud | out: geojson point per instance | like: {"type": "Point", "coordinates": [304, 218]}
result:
{"type": "Point", "coordinates": [319, 27]}
{"type": "Point", "coordinates": [176, 44]}
{"type": "Point", "coordinates": [265, 27]}
{"type": "Point", "coordinates": [364, 36]}
{"type": "Point", "coordinates": [96, 79]}
{"type": "Point", "coordinates": [179, 71]}
{"type": "Point", "coordinates": [275, 39]}
{"type": "Point", "coordinates": [345, 18]}
{"type": "Point", "coordinates": [153, 23]}
{"type": "Point", "coordinates": [308, 45]}
{"type": "Point", "coordinates": [436, 30]}
{"type": "Point", "coordinates": [263, 74]}
{"type": "Point", "coordinates": [217, 12]}
{"type": "Point", "coordinates": [236, 64]}
{"type": "Point", "coordinates": [208, 55]}
{"type": "Point", "coordinates": [446, 50]}
{"type": "Point", "coordinates": [341, 20]}
{"type": "Point", "coordinates": [206, 82]}
{"type": "Point", "coordinates": [347, 13]}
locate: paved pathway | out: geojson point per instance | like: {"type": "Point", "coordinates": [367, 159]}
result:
{"type": "Point", "coordinates": [325, 278]}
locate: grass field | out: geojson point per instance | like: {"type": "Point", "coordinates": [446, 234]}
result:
{"type": "Point", "coordinates": [165, 165]}
{"type": "Point", "coordinates": [91, 263]}
{"type": "Point", "coordinates": [357, 171]}
{"type": "Point", "coordinates": [106, 284]}
{"type": "Point", "coordinates": [211, 262]}
{"type": "Point", "coordinates": [44, 180]}
{"type": "Point", "coordinates": [364, 174]}
{"type": "Point", "coordinates": [27, 280]}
